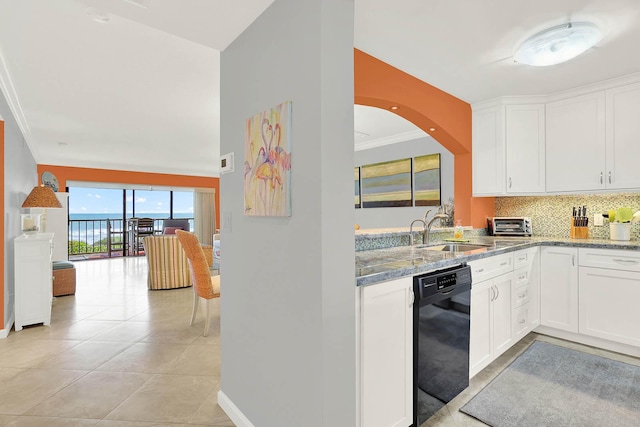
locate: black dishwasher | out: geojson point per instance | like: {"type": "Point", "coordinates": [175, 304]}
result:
{"type": "Point", "coordinates": [441, 322]}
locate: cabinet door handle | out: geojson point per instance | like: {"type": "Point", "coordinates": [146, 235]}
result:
{"type": "Point", "coordinates": [509, 182]}
{"type": "Point", "coordinates": [573, 260]}
{"type": "Point", "coordinates": [625, 261]}
{"type": "Point", "coordinates": [497, 292]}
{"type": "Point", "coordinates": [609, 177]}
{"type": "Point", "coordinates": [601, 177]}
{"type": "Point", "coordinates": [412, 298]}
{"type": "Point", "coordinates": [493, 294]}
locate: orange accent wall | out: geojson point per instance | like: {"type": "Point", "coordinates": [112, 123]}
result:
{"type": "Point", "coordinates": [378, 84]}
{"type": "Point", "coordinates": [68, 173]}
{"type": "Point", "coordinates": [2, 269]}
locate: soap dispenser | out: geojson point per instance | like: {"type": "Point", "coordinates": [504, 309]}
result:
{"type": "Point", "coordinates": [458, 232]}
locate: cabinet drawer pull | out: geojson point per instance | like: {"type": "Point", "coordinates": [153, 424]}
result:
{"type": "Point", "coordinates": [522, 258]}
{"type": "Point", "coordinates": [522, 295]}
{"type": "Point", "coordinates": [504, 263]}
{"type": "Point", "coordinates": [480, 270]}
{"type": "Point", "coordinates": [626, 261]}
{"type": "Point", "coordinates": [522, 321]}
{"type": "Point", "coordinates": [522, 276]}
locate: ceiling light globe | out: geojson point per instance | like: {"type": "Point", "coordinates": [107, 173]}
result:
{"type": "Point", "coordinates": [558, 44]}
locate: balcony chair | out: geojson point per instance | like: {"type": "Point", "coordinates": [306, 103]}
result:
{"type": "Point", "coordinates": [115, 240]}
{"type": "Point", "coordinates": [169, 226]}
{"type": "Point", "coordinates": [205, 285]}
{"type": "Point", "coordinates": [142, 227]}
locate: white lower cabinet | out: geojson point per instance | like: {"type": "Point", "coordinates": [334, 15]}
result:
{"type": "Point", "coordinates": [559, 288]}
{"type": "Point", "coordinates": [608, 301]}
{"type": "Point", "coordinates": [386, 348]}
{"type": "Point", "coordinates": [490, 321]}
{"type": "Point", "coordinates": [33, 279]}
{"type": "Point", "coordinates": [525, 299]}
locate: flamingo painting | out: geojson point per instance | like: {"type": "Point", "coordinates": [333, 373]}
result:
{"type": "Point", "coordinates": [267, 163]}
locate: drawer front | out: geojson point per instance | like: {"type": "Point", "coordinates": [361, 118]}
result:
{"type": "Point", "coordinates": [521, 277]}
{"type": "Point", "coordinates": [520, 296]}
{"type": "Point", "coordinates": [523, 258]}
{"type": "Point", "coordinates": [491, 267]}
{"type": "Point", "coordinates": [626, 260]}
{"type": "Point", "coordinates": [521, 322]}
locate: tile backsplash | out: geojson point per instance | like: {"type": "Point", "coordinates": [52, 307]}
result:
{"type": "Point", "coordinates": [551, 215]}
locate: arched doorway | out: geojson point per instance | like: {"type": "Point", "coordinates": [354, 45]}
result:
{"type": "Point", "coordinates": [445, 117]}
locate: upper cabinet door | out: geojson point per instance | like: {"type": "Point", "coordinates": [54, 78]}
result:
{"type": "Point", "coordinates": [525, 141]}
{"type": "Point", "coordinates": [623, 137]}
{"type": "Point", "coordinates": [488, 152]}
{"type": "Point", "coordinates": [575, 146]}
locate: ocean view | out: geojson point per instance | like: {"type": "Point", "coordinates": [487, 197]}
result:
{"type": "Point", "coordinates": [92, 227]}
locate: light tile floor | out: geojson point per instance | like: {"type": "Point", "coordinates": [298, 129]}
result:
{"type": "Point", "coordinates": [116, 355]}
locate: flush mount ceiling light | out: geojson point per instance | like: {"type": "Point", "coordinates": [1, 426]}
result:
{"type": "Point", "coordinates": [558, 44]}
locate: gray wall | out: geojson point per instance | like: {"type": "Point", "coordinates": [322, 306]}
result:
{"type": "Point", "coordinates": [20, 176]}
{"type": "Point", "coordinates": [402, 216]}
{"type": "Point", "coordinates": [288, 283]}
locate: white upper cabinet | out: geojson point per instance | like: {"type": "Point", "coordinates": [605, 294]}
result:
{"type": "Point", "coordinates": [508, 150]}
{"type": "Point", "coordinates": [525, 142]}
{"type": "Point", "coordinates": [623, 137]}
{"type": "Point", "coordinates": [576, 143]}
{"type": "Point", "coordinates": [586, 140]}
{"type": "Point", "coordinates": [488, 151]}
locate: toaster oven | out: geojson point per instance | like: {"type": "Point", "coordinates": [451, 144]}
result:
{"type": "Point", "coordinates": [509, 226]}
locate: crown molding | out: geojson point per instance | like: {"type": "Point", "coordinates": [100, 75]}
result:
{"type": "Point", "coordinates": [557, 96]}
{"type": "Point", "coordinates": [10, 94]}
{"type": "Point", "coordinates": [393, 139]}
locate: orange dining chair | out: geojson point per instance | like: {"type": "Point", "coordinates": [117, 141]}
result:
{"type": "Point", "coordinates": [205, 285]}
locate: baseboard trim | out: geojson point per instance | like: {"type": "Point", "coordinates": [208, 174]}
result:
{"type": "Point", "coordinates": [5, 332]}
{"type": "Point", "coordinates": [232, 411]}
{"type": "Point", "coordinates": [588, 340]}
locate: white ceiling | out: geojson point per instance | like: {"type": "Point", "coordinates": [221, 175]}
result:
{"type": "Point", "coordinates": [141, 91]}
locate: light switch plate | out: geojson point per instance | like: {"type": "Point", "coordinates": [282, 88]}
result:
{"type": "Point", "coordinates": [598, 220]}
{"type": "Point", "coordinates": [226, 163]}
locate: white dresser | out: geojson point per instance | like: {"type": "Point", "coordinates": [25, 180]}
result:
{"type": "Point", "coordinates": [33, 279]}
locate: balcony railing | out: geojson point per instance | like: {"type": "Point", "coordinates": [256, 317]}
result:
{"type": "Point", "coordinates": [106, 237]}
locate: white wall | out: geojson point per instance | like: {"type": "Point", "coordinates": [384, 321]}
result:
{"type": "Point", "coordinates": [288, 283]}
{"type": "Point", "coordinates": [402, 216]}
{"type": "Point", "coordinates": [20, 176]}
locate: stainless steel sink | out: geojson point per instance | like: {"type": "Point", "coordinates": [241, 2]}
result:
{"type": "Point", "coordinates": [457, 247]}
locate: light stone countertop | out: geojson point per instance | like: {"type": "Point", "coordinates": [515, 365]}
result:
{"type": "Point", "coordinates": [380, 265]}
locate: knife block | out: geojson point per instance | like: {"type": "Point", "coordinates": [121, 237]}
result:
{"type": "Point", "coordinates": [579, 232]}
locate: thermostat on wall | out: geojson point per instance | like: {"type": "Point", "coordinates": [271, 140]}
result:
{"type": "Point", "coordinates": [226, 163]}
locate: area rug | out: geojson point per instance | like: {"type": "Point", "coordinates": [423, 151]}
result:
{"type": "Point", "coordinates": [548, 385]}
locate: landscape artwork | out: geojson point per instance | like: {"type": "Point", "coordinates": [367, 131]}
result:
{"type": "Point", "coordinates": [356, 179]}
{"type": "Point", "coordinates": [386, 184]}
{"type": "Point", "coordinates": [267, 162]}
{"type": "Point", "coordinates": [426, 177]}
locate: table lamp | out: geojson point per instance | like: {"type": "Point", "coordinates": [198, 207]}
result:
{"type": "Point", "coordinates": [40, 197]}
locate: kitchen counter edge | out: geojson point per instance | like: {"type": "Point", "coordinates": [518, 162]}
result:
{"type": "Point", "coordinates": [413, 268]}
